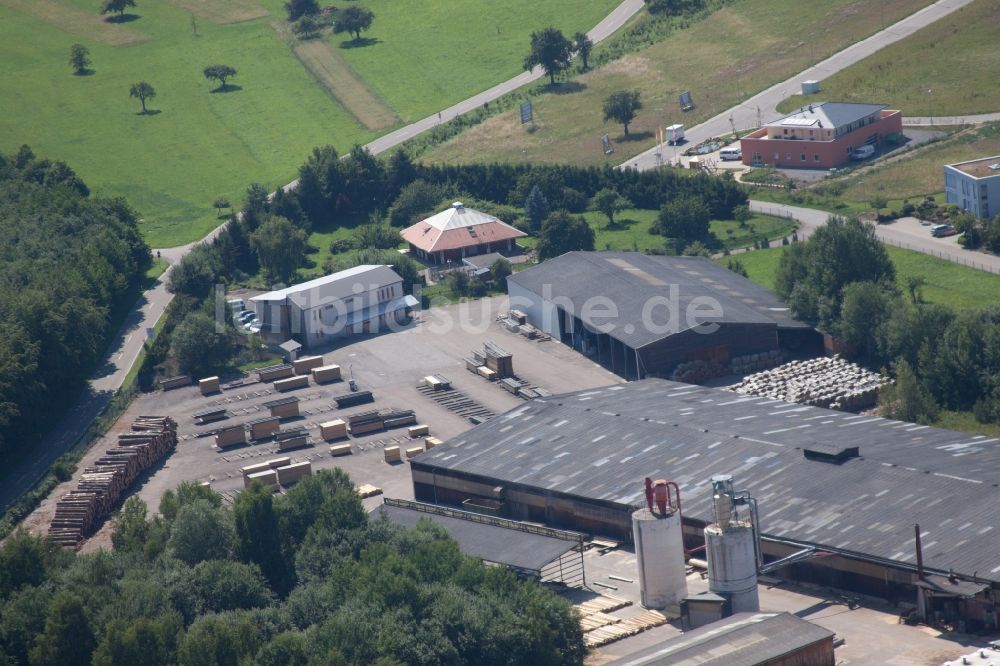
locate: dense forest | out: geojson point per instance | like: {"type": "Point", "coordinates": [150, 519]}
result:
{"type": "Point", "coordinates": [842, 281]}
{"type": "Point", "coordinates": [303, 578]}
{"type": "Point", "coordinates": [66, 263]}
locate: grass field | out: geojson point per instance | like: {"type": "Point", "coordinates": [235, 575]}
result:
{"type": "Point", "coordinates": [920, 174]}
{"type": "Point", "coordinates": [197, 145]}
{"type": "Point", "coordinates": [948, 283]}
{"type": "Point", "coordinates": [737, 51]}
{"type": "Point", "coordinates": [630, 232]}
{"type": "Point", "coordinates": [948, 68]}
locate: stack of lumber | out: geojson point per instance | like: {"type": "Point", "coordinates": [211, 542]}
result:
{"type": "Point", "coordinates": [264, 427]}
{"type": "Point", "coordinates": [517, 316]}
{"type": "Point", "coordinates": [353, 398]}
{"type": "Point", "coordinates": [334, 429]}
{"type": "Point", "coordinates": [275, 372]}
{"type": "Point", "coordinates": [230, 436]}
{"type": "Point", "coordinates": [289, 474]}
{"type": "Point", "coordinates": [437, 382]}
{"type": "Point", "coordinates": [498, 360]}
{"type": "Point", "coordinates": [306, 363]}
{"type": "Point", "coordinates": [326, 373]}
{"type": "Point", "coordinates": [175, 382]}
{"type": "Point", "coordinates": [606, 603]}
{"type": "Point", "coordinates": [283, 407]}
{"type": "Point", "coordinates": [102, 485]}
{"type": "Point", "coordinates": [591, 622]}
{"type": "Point", "coordinates": [268, 477]}
{"type": "Point", "coordinates": [630, 626]}
{"type": "Point", "coordinates": [208, 385]}
{"type": "Point", "coordinates": [292, 383]}
{"type": "Point", "coordinates": [418, 430]}
{"type": "Point", "coordinates": [391, 454]}
{"type": "Point", "coordinates": [340, 450]}
{"type": "Point", "coordinates": [414, 451]}
{"type": "Point", "coordinates": [367, 490]}
{"type": "Point", "coordinates": [371, 421]}
{"type": "Point", "coordinates": [395, 418]}
{"type": "Point", "coordinates": [292, 438]}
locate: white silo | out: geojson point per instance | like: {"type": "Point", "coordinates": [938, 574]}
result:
{"type": "Point", "coordinates": [659, 547]}
{"type": "Point", "coordinates": [731, 547]}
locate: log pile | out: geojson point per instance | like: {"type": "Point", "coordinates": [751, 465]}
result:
{"type": "Point", "coordinates": [828, 382]}
{"type": "Point", "coordinates": [81, 511]}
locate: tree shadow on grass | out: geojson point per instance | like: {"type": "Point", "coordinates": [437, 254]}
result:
{"type": "Point", "coordinates": [634, 136]}
{"type": "Point", "coordinates": [86, 71]}
{"type": "Point", "coordinates": [359, 43]}
{"type": "Point", "coordinates": [149, 112]}
{"type": "Point", "coordinates": [122, 18]}
{"type": "Point", "coordinates": [229, 87]}
{"type": "Point", "coordinates": [566, 88]}
{"type": "Point", "coordinates": [621, 224]}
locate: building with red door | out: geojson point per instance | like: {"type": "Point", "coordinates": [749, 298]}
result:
{"type": "Point", "coordinates": [821, 136]}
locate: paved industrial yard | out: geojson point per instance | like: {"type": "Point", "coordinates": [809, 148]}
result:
{"type": "Point", "coordinates": [390, 365]}
{"type": "Point", "coordinates": [872, 633]}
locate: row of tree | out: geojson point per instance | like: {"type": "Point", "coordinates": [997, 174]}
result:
{"type": "Point", "coordinates": [67, 262]}
{"type": "Point", "coordinates": [303, 578]}
{"type": "Point", "coordinates": [843, 281]}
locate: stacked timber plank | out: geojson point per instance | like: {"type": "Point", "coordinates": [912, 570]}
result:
{"type": "Point", "coordinates": [291, 473]}
{"type": "Point", "coordinates": [231, 436]}
{"type": "Point", "coordinates": [283, 407]}
{"type": "Point", "coordinates": [367, 490]}
{"type": "Point", "coordinates": [591, 622]}
{"type": "Point", "coordinates": [437, 382]}
{"type": "Point", "coordinates": [102, 485]}
{"type": "Point", "coordinates": [292, 438]}
{"type": "Point", "coordinates": [209, 415]}
{"type": "Point", "coordinates": [291, 383]}
{"type": "Point", "coordinates": [418, 431]}
{"type": "Point", "coordinates": [431, 442]}
{"type": "Point", "coordinates": [391, 454]}
{"type": "Point", "coordinates": [353, 398]}
{"type": "Point", "coordinates": [303, 365]}
{"type": "Point", "coordinates": [175, 382]}
{"type": "Point", "coordinates": [340, 450]}
{"type": "Point", "coordinates": [334, 429]}
{"type": "Point", "coordinates": [208, 385]}
{"type": "Point", "coordinates": [264, 427]}
{"type": "Point", "coordinates": [498, 360]}
{"type": "Point", "coordinates": [606, 603]}
{"type": "Point", "coordinates": [275, 372]}
{"type": "Point", "coordinates": [371, 421]}
{"type": "Point", "coordinates": [630, 626]}
{"type": "Point", "coordinates": [326, 373]}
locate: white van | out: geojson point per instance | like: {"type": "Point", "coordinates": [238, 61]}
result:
{"type": "Point", "coordinates": [863, 153]}
{"type": "Point", "coordinates": [731, 153]}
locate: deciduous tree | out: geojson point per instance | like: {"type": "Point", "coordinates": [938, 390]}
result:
{"type": "Point", "coordinates": [583, 45]}
{"type": "Point", "coordinates": [684, 219]}
{"type": "Point", "coordinates": [79, 58]}
{"type": "Point", "coordinates": [562, 233]}
{"type": "Point", "coordinates": [298, 8]}
{"type": "Point", "coordinates": [907, 399]}
{"type": "Point", "coordinates": [280, 246]}
{"type": "Point", "coordinates": [143, 91]}
{"type": "Point", "coordinates": [220, 73]}
{"type": "Point", "coordinates": [608, 202]}
{"type": "Point", "coordinates": [622, 107]}
{"type": "Point", "coordinates": [551, 50]}
{"type": "Point", "coordinates": [198, 346]}
{"type": "Point", "coordinates": [353, 19]}
{"type": "Point", "coordinates": [119, 6]}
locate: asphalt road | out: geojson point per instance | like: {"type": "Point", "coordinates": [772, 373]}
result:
{"type": "Point", "coordinates": [745, 114]}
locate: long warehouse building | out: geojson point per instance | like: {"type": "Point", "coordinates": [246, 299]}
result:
{"type": "Point", "coordinates": [850, 486]}
{"type": "Point", "coordinates": [642, 316]}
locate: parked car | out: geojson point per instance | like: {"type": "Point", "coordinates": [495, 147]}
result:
{"type": "Point", "coordinates": [863, 153]}
{"type": "Point", "coordinates": [247, 315]}
{"type": "Point", "coordinates": [943, 230]}
{"type": "Point", "coordinates": [731, 153]}
{"type": "Point", "coordinates": [236, 305]}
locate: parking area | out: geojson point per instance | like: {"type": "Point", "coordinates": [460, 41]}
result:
{"type": "Point", "coordinates": [390, 365]}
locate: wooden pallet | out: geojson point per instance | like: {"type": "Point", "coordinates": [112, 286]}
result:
{"type": "Point", "coordinates": [629, 626]}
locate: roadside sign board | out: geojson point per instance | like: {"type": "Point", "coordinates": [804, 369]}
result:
{"type": "Point", "coordinates": [686, 102]}
{"type": "Point", "coordinates": [526, 113]}
{"type": "Point", "coordinates": [606, 142]}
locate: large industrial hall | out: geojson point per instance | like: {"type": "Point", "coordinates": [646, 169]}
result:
{"type": "Point", "coordinates": [641, 316]}
{"type": "Point", "coordinates": [844, 490]}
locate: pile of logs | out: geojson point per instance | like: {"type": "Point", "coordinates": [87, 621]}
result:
{"type": "Point", "coordinates": [81, 511]}
{"type": "Point", "coordinates": [828, 382]}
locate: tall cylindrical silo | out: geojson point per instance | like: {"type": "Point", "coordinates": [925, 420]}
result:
{"type": "Point", "coordinates": [659, 549]}
{"type": "Point", "coordinates": [732, 565]}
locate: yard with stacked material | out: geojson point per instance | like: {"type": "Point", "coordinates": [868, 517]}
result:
{"type": "Point", "coordinates": [196, 145]}
{"type": "Point", "coordinates": [946, 69]}
{"type": "Point", "coordinates": [738, 50]}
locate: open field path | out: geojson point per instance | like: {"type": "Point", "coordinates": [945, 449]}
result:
{"type": "Point", "coordinates": [126, 347]}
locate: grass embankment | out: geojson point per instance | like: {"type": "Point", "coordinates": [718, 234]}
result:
{"type": "Point", "coordinates": [948, 68]}
{"type": "Point", "coordinates": [950, 284]}
{"type": "Point", "coordinates": [196, 145]}
{"type": "Point", "coordinates": [735, 52]}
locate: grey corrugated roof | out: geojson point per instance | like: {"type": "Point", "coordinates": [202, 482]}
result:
{"type": "Point", "coordinates": [334, 287]}
{"type": "Point", "coordinates": [743, 639]}
{"type": "Point", "coordinates": [829, 115]}
{"type": "Point", "coordinates": [631, 280]}
{"type": "Point", "coordinates": [487, 542]}
{"type": "Point", "coordinates": [600, 444]}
